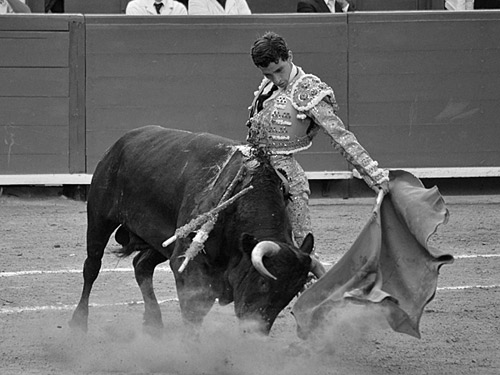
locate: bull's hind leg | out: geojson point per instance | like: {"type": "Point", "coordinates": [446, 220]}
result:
{"type": "Point", "coordinates": [98, 233]}
{"type": "Point", "coordinates": [144, 266]}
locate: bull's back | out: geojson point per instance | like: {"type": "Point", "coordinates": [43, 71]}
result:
{"type": "Point", "coordinates": [153, 166]}
{"type": "Point", "coordinates": [153, 145]}
{"type": "Point", "coordinates": [148, 148]}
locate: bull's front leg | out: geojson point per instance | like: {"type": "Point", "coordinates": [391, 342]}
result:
{"type": "Point", "coordinates": [196, 296]}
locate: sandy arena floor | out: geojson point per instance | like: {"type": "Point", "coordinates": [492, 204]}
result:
{"type": "Point", "coordinates": [42, 243]}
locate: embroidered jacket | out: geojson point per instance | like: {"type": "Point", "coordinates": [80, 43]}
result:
{"type": "Point", "coordinates": [288, 123]}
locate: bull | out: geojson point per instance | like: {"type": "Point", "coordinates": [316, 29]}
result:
{"type": "Point", "coordinates": [153, 181]}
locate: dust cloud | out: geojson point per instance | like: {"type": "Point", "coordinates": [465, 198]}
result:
{"type": "Point", "coordinates": [347, 327]}
{"type": "Point", "coordinates": [221, 347]}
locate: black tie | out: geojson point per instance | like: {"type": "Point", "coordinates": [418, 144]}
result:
{"type": "Point", "coordinates": [263, 97]}
{"type": "Point", "coordinates": [158, 7]}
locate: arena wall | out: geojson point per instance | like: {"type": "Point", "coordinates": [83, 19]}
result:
{"type": "Point", "coordinates": [419, 89]}
{"type": "Point", "coordinates": [42, 105]}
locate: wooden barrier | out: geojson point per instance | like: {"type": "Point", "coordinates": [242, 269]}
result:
{"type": "Point", "coordinates": [423, 88]}
{"type": "Point", "coordinates": [419, 89]}
{"type": "Point", "coordinates": [201, 77]}
{"type": "Point", "coordinates": [42, 109]}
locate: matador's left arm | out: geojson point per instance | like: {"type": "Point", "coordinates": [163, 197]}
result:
{"type": "Point", "coordinates": [344, 141]}
{"type": "Point", "coordinates": [314, 99]}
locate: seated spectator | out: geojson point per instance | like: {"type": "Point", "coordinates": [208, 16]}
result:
{"type": "Point", "coordinates": [14, 6]}
{"type": "Point", "coordinates": [218, 7]}
{"type": "Point", "coordinates": [185, 3]}
{"type": "Point", "coordinates": [324, 6]}
{"type": "Point", "coordinates": [152, 7]}
{"type": "Point", "coordinates": [487, 4]}
{"type": "Point", "coordinates": [54, 6]}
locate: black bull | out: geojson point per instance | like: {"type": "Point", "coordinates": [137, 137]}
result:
{"type": "Point", "coordinates": [154, 180]}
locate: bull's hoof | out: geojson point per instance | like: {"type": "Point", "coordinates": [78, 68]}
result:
{"type": "Point", "coordinates": [153, 330]}
{"type": "Point", "coordinates": [76, 325]}
{"type": "Point", "coordinates": [297, 349]}
{"type": "Point", "coordinates": [79, 322]}
{"type": "Point", "coordinates": [191, 334]}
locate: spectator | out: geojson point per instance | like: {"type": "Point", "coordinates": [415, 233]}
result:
{"type": "Point", "coordinates": [14, 6]}
{"type": "Point", "coordinates": [218, 7]}
{"type": "Point", "coordinates": [487, 4]}
{"type": "Point", "coordinates": [54, 6]}
{"type": "Point", "coordinates": [324, 6]}
{"type": "Point", "coordinates": [185, 3]}
{"type": "Point", "coordinates": [151, 7]}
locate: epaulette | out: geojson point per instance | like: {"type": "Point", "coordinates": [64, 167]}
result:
{"type": "Point", "coordinates": [308, 91]}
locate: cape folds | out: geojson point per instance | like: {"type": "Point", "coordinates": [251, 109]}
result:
{"type": "Point", "coordinates": [390, 263]}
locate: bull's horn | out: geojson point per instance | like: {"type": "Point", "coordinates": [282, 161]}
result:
{"type": "Point", "coordinates": [262, 249]}
{"type": "Point", "coordinates": [317, 268]}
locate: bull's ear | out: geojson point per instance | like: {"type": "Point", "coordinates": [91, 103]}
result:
{"type": "Point", "coordinates": [308, 244]}
{"type": "Point", "coordinates": [248, 242]}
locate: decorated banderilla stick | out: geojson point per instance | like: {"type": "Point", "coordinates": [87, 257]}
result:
{"type": "Point", "coordinates": [209, 217]}
{"type": "Point", "coordinates": [198, 242]}
{"type": "Point", "coordinates": [194, 224]}
{"type": "Point", "coordinates": [380, 198]}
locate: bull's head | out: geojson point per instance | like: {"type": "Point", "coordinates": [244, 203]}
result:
{"type": "Point", "coordinates": [269, 275]}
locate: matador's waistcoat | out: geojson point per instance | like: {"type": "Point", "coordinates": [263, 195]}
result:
{"type": "Point", "coordinates": [282, 125]}
{"type": "Point", "coordinates": [288, 122]}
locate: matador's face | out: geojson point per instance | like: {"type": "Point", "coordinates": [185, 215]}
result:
{"type": "Point", "coordinates": [278, 73]}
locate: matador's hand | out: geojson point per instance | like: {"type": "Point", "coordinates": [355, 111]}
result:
{"type": "Point", "coordinates": [384, 186]}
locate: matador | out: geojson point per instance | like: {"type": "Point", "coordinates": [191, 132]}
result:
{"type": "Point", "coordinates": [288, 110]}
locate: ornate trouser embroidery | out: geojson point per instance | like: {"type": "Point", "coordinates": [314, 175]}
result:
{"type": "Point", "coordinates": [298, 208]}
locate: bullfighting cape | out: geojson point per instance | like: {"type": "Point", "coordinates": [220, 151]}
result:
{"type": "Point", "coordinates": [389, 264]}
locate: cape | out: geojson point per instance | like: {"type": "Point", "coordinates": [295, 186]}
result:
{"type": "Point", "coordinates": [390, 263]}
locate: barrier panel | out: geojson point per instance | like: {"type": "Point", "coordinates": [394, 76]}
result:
{"type": "Point", "coordinates": [423, 88]}
{"type": "Point", "coordinates": [41, 94]}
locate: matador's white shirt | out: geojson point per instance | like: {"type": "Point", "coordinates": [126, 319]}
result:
{"type": "Point", "coordinates": [213, 7]}
{"type": "Point", "coordinates": [146, 7]}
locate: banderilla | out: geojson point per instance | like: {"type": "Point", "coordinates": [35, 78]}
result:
{"type": "Point", "coordinates": [197, 222]}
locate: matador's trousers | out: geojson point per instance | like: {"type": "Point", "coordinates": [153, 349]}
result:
{"type": "Point", "coordinates": [298, 208]}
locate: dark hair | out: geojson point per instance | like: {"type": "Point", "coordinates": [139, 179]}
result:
{"type": "Point", "coordinates": [269, 48]}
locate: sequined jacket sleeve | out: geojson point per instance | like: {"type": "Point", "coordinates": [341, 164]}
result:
{"type": "Point", "coordinates": [323, 114]}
